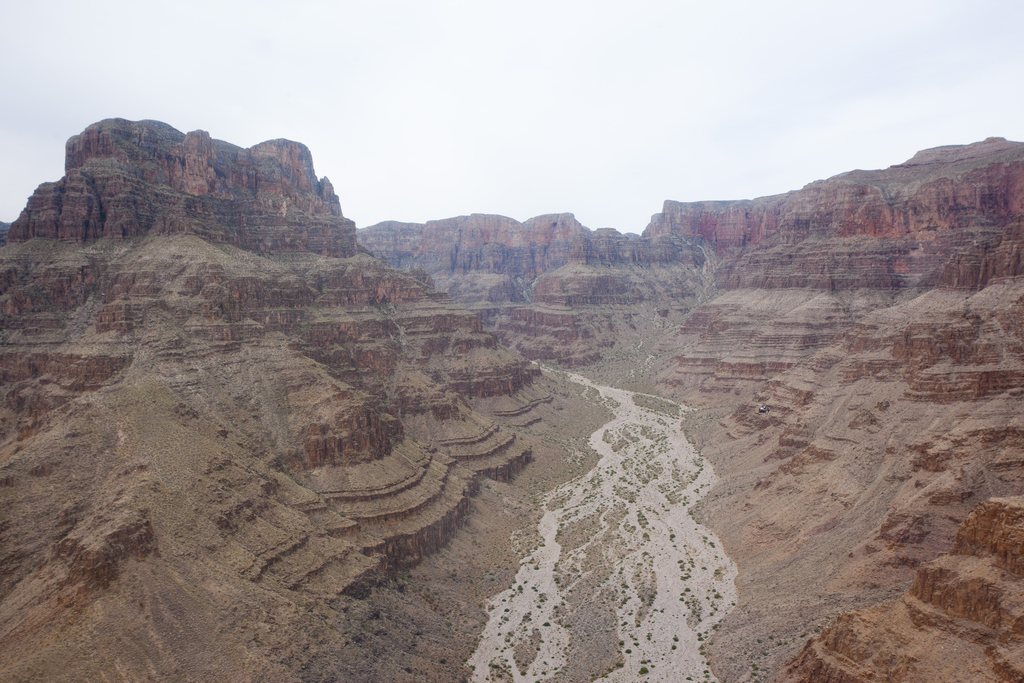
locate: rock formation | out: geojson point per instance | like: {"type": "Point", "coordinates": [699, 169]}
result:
{"type": "Point", "coordinates": [478, 245]}
{"type": "Point", "coordinates": [124, 179]}
{"type": "Point", "coordinates": [893, 377]}
{"type": "Point", "coordinates": [876, 446]}
{"type": "Point", "coordinates": [937, 190]}
{"type": "Point", "coordinates": [544, 286]}
{"type": "Point", "coordinates": [840, 248]}
{"type": "Point", "coordinates": [961, 620]}
{"type": "Point", "coordinates": [219, 415]}
{"type": "Point", "coordinates": [878, 314]}
{"type": "Point", "coordinates": [916, 224]}
{"type": "Point", "coordinates": [228, 413]}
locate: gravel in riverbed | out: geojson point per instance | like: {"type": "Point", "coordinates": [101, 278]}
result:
{"type": "Point", "coordinates": [625, 584]}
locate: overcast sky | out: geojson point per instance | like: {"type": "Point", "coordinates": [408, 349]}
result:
{"type": "Point", "coordinates": [419, 110]}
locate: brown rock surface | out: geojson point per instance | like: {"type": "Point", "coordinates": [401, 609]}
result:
{"type": "Point", "coordinates": [213, 441]}
{"type": "Point", "coordinates": [127, 178]}
{"type": "Point", "coordinates": [961, 620]}
{"type": "Point", "coordinates": [943, 218]}
{"type": "Point", "coordinates": [877, 313]}
{"type": "Point", "coordinates": [224, 397]}
{"type": "Point", "coordinates": [477, 244]}
{"type": "Point", "coordinates": [941, 189]}
{"type": "Point", "coordinates": [580, 311]}
{"type": "Point", "coordinates": [549, 287]}
{"type": "Point", "coordinates": [895, 401]}
{"type": "Point", "coordinates": [487, 258]}
{"type": "Point", "coordinates": [952, 222]}
{"type": "Point", "coordinates": [877, 444]}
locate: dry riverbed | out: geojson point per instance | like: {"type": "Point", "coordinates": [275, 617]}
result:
{"type": "Point", "coordinates": [624, 584]}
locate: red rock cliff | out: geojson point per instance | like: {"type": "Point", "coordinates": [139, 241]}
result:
{"type": "Point", "coordinates": [201, 436]}
{"type": "Point", "coordinates": [125, 178]}
{"type": "Point", "coordinates": [478, 243]}
{"type": "Point", "coordinates": [489, 244]}
{"type": "Point", "coordinates": [917, 214]}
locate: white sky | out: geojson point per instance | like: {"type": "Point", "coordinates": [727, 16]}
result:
{"type": "Point", "coordinates": [419, 110]}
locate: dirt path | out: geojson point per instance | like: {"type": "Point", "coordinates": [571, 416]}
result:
{"type": "Point", "coordinates": [621, 562]}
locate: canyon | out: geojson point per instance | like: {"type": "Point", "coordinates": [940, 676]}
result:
{"type": "Point", "coordinates": [242, 440]}
{"type": "Point", "coordinates": [549, 287]}
{"type": "Point", "coordinates": [877, 314]}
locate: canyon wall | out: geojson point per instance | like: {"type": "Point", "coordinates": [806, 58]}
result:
{"type": "Point", "coordinates": [457, 251]}
{"type": "Point", "coordinates": [479, 243]}
{"type": "Point", "coordinates": [219, 416]}
{"type": "Point", "coordinates": [876, 313]}
{"type": "Point", "coordinates": [220, 413]}
{"type": "Point", "coordinates": [128, 178]}
{"type": "Point", "coordinates": [549, 287]}
{"type": "Point", "coordinates": [940, 189]}
{"type": "Point", "coordinates": [890, 360]}
{"type": "Point", "coordinates": [876, 446]}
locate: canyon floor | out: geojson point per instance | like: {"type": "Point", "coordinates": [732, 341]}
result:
{"type": "Point", "coordinates": [622, 582]}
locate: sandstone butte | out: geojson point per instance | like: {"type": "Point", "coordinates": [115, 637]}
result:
{"type": "Point", "coordinates": [221, 416]}
{"type": "Point", "coordinates": [880, 315]}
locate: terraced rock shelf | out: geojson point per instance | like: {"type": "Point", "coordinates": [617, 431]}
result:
{"type": "Point", "coordinates": [623, 583]}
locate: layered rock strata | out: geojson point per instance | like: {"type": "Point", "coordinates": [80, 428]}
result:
{"type": "Point", "coordinates": [203, 435]}
{"type": "Point", "coordinates": [488, 258]}
{"type": "Point", "coordinates": [838, 249]}
{"type": "Point", "coordinates": [874, 449]}
{"type": "Point", "coordinates": [549, 287]}
{"type": "Point", "coordinates": [479, 245]}
{"type": "Point", "coordinates": [938, 190]}
{"type": "Point", "coordinates": [961, 620]}
{"type": "Point", "coordinates": [895, 403]}
{"type": "Point", "coordinates": [876, 313]}
{"type": "Point", "coordinates": [128, 178]}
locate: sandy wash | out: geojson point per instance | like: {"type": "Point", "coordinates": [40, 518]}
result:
{"type": "Point", "coordinates": [666, 577]}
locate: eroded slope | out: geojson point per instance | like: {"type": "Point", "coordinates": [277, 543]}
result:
{"type": "Point", "coordinates": [219, 417]}
{"type": "Point", "coordinates": [961, 620]}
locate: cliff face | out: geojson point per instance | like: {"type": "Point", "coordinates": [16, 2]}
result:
{"type": "Point", "coordinates": [938, 190]}
{"type": "Point", "coordinates": [207, 429]}
{"type": "Point", "coordinates": [877, 313]}
{"type": "Point", "coordinates": [888, 230]}
{"type": "Point", "coordinates": [961, 620]}
{"type": "Point", "coordinates": [457, 252]}
{"type": "Point", "coordinates": [838, 249]}
{"type": "Point", "coordinates": [477, 244]}
{"type": "Point", "coordinates": [877, 444]}
{"type": "Point", "coordinates": [124, 179]}
{"type": "Point", "coordinates": [549, 287]}
{"type": "Point", "coordinates": [888, 349]}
